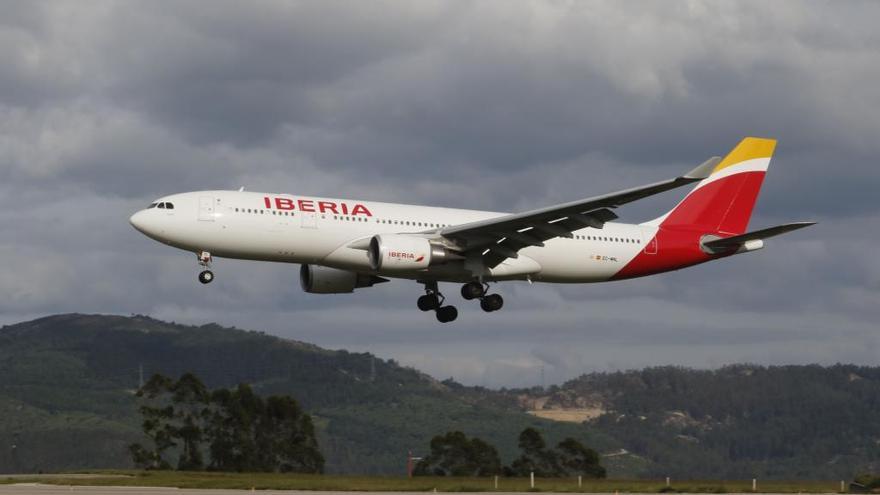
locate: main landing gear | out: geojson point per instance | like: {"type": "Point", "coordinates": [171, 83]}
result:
{"type": "Point", "coordinates": [433, 301]}
{"type": "Point", "coordinates": [206, 276]}
{"type": "Point", "coordinates": [477, 290]}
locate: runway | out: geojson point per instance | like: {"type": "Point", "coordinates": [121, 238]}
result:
{"type": "Point", "coordinates": [40, 489]}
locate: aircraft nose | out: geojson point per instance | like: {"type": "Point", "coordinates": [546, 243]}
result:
{"type": "Point", "coordinates": [139, 221]}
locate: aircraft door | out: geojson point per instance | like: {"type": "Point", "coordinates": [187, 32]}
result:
{"type": "Point", "coordinates": [206, 208]}
{"type": "Point", "coordinates": [650, 239]}
{"type": "Point", "coordinates": [309, 220]}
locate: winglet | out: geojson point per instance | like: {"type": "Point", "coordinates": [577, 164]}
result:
{"type": "Point", "coordinates": [704, 169]}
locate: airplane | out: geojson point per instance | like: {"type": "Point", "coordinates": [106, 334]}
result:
{"type": "Point", "coordinates": [345, 244]}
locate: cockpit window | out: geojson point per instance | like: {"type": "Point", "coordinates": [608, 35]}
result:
{"type": "Point", "coordinates": [170, 206]}
{"type": "Point", "coordinates": [161, 206]}
{"type": "Point", "coordinates": [152, 205]}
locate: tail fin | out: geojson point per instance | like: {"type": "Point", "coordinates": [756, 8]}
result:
{"type": "Point", "coordinates": [723, 201]}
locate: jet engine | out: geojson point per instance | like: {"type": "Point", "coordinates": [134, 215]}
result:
{"type": "Point", "coordinates": [401, 253]}
{"type": "Point", "coordinates": [316, 279]}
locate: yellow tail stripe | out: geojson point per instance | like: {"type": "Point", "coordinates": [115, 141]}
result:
{"type": "Point", "coordinates": [748, 149]}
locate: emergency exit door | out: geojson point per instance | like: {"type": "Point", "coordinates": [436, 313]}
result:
{"type": "Point", "coordinates": [206, 208]}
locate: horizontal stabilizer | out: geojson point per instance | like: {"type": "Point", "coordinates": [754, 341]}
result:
{"type": "Point", "coordinates": [739, 241]}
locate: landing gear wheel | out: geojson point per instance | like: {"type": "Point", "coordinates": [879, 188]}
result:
{"type": "Point", "coordinates": [492, 302]}
{"type": "Point", "coordinates": [472, 290]}
{"type": "Point", "coordinates": [428, 302]}
{"type": "Point", "coordinates": [447, 314]}
{"type": "Point", "coordinates": [206, 277]}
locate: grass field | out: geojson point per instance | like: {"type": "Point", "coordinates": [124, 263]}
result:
{"type": "Point", "coordinates": [265, 481]}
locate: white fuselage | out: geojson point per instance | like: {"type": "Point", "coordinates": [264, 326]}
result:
{"type": "Point", "coordinates": [322, 231]}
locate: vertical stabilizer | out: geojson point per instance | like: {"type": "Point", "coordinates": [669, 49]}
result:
{"type": "Point", "coordinates": [723, 202]}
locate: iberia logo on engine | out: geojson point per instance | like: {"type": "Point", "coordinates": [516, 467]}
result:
{"type": "Point", "coordinates": [400, 255]}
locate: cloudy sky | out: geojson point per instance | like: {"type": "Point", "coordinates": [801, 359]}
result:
{"type": "Point", "coordinates": [503, 105]}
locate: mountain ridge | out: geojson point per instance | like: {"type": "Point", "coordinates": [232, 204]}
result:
{"type": "Point", "coordinates": [66, 402]}
{"type": "Point", "coordinates": [80, 372]}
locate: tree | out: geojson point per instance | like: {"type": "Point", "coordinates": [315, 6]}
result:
{"type": "Point", "coordinates": [157, 414]}
{"type": "Point", "coordinates": [569, 458]}
{"type": "Point", "coordinates": [486, 459]}
{"type": "Point", "coordinates": [453, 454]}
{"type": "Point", "coordinates": [243, 431]}
{"type": "Point", "coordinates": [190, 398]}
{"type": "Point", "coordinates": [577, 459]}
{"type": "Point", "coordinates": [535, 457]}
{"type": "Point", "coordinates": [234, 414]}
{"type": "Point", "coordinates": [286, 438]}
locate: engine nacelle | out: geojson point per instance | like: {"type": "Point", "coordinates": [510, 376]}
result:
{"type": "Point", "coordinates": [402, 253]}
{"type": "Point", "coordinates": [316, 279]}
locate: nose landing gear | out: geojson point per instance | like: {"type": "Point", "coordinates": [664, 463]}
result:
{"type": "Point", "coordinates": [206, 276]}
{"type": "Point", "coordinates": [433, 301]}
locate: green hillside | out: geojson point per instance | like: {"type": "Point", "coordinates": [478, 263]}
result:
{"type": "Point", "coordinates": [738, 422]}
{"type": "Point", "coordinates": [66, 394]}
{"type": "Point", "coordinates": [66, 402]}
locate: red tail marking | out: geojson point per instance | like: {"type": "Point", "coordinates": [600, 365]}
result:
{"type": "Point", "coordinates": [724, 205]}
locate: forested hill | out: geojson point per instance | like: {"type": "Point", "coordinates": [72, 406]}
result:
{"type": "Point", "coordinates": [67, 401]}
{"type": "Point", "coordinates": [67, 386]}
{"type": "Point", "coordinates": [736, 422]}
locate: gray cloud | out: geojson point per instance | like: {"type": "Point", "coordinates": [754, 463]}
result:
{"type": "Point", "coordinates": [492, 105]}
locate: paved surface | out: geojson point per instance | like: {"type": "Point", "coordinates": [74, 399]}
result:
{"type": "Point", "coordinates": [38, 489]}
{"type": "Point", "coordinates": [72, 476]}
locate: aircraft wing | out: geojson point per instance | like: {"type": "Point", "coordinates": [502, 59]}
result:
{"type": "Point", "coordinates": [497, 239]}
